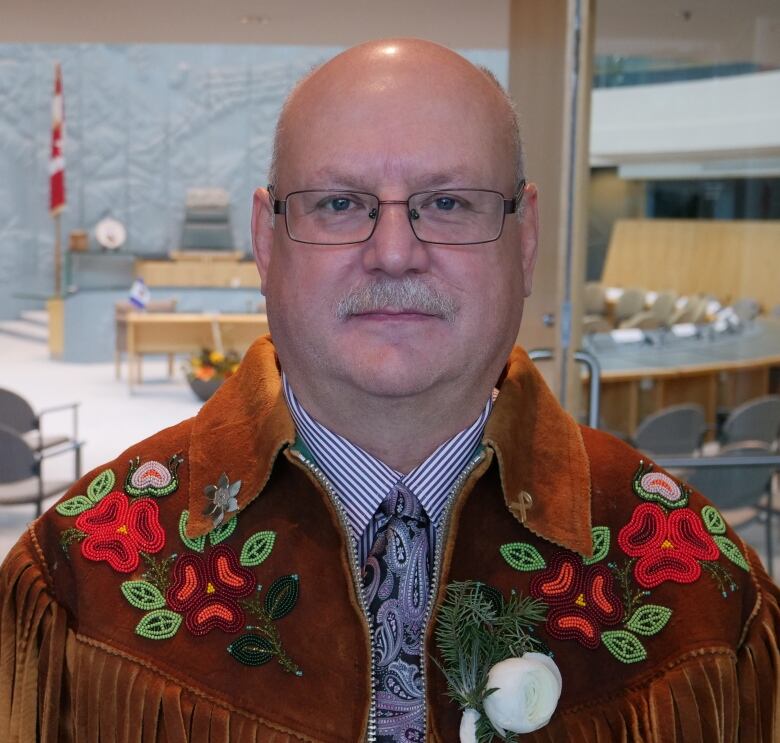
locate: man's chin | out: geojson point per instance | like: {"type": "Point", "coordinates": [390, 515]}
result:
{"type": "Point", "coordinates": [384, 378]}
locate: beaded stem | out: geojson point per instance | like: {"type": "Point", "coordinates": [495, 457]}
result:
{"type": "Point", "coordinates": [268, 629]}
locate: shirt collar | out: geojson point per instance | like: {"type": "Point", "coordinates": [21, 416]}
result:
{"type": "Point", "coordinates": [362, 481]}
{"type": "Point", "coordinates": [538, 446]}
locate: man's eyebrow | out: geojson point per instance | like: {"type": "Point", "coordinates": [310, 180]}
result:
{"type": "Point", "coordinates": [452, 178]}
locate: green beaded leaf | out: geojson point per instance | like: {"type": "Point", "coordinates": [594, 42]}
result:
{"type": "Point", "coordinates": [649, 619]}
{"type": "Point", "coordinates": [142, 595]}
{"type": "Point", "coordinates": [713, 520]}
{"type": "Point", "coordinates": [74, 506]}
{"type": "Point", "coordinates": [198, 544]}
{"type": "Point", "coordinates": [257, 548]}
{"type": "Point", "coordinates": [522, 556]}
{"type": "Point", "coordinates": [730, 550]}
{"type": "Point", "coordinates": [223, 531]}
{"type": "Point", "coordinates": [161, 624]}
{"type": "Point", "coordinates": [251, 650]}
{"type": "Point", "coordinates": [624, 646]}
{"type": "Point", "coordinates": [282, 596]}
{"type": "Point", "coordinates": [101, 485]}
{"type": "Point", "coordinates": [601, 542]}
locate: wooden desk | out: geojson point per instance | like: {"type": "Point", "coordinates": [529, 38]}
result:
{"type": "Point", "coordinates": [637, 380]}
{"type": "Point", "coordinates": [180, 332]}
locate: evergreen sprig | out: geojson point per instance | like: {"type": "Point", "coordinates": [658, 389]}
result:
{"type": "Point", "coordinates": [475, 630]}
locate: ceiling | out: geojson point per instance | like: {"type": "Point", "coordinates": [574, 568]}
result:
{"type": "Point", "coordinates": [683, 30]}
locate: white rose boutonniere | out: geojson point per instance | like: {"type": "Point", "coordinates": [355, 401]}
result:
{"type": "Point", "coordinates": [492, 663]}
{"type": "Point", "coordinates": [526, 693]}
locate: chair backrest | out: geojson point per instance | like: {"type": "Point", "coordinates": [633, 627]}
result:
{"type": "Point", "coordinates": [16, 412]}
{"type": "Point", "coordinates": [629, 303]}
{"type": "Point", "coordinates": [755, 420]}
{"type": "Point", "coordinates": [595, 298]}
{"type": "Point", "coordinates": [686, 310]}
{"type": "Point", "coordinates": [747, 309]}
{"type": "Point", "coordinates": [735, 487]}
{"type": "Point", "coordinates": [645, 320]}
{"type": "Point", "coordinates": [677, 429]}
{"type": "Point", "coordinates": [663, 307]}
{"type": "Point", "coordinates": [17, 460]}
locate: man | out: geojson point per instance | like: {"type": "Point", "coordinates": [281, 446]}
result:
{"type": "Point", "coordinates": [274, 568]}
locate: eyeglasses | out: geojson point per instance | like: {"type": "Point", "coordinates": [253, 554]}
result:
{"type": "Point", "coordinates": [456, 216]}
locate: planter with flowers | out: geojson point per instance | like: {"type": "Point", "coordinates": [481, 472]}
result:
{"type": "Point", "coordinates": [209, 369]}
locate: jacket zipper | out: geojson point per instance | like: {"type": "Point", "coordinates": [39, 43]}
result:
{"type": "Point", "coordinates": [358, 581]}
{"type": "Point", "coordinates": [356, 576]}
{"type": "Point", "coordinates": [441, 537]}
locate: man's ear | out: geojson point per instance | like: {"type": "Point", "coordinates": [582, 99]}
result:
{"type": "Point", "coordinates": [529, 236]}
{"type": "Point", "coordinates": [262, 233]}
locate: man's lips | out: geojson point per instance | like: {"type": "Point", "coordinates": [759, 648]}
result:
{"type": "Point", "coordinates": [390, 313]}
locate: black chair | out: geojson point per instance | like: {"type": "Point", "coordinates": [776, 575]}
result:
{"type": "Point", "coordinates": [21, 478]}
{"type": "Point", "coordinates": [17, 414]}
{"type": "Point", "coordinates": [676, 430]}
{"type": "Point", "coordinates": [755, 420]}
{"type": "Point", "coordinates": [744, 494]}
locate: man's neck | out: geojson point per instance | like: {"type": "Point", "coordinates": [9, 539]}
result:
{"type": "Point", "coordinates": [400, 431]}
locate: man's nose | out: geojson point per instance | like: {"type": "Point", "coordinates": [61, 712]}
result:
{"type": "Point", "coordinates": [394, 249]}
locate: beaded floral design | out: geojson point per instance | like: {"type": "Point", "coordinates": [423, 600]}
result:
{"type": "Point", "coordinates": [668, 546]}
{"type": "Point", "coordinates": [597, 603]}
{"type": "Point", "coordinates": [110, 527]}
{"type": "Point", "coordinates": [117, 531]}
{"type": "Point", "coordinates": [668, 541]}
{"type": "Point", "coordinates": [581, 599]}
{"type": "Point", "coordinates": [206, 591]}
{"type": "Point", "coordinates": [152, 478]}
{"type": "Point", "coordinates": [212, 588]}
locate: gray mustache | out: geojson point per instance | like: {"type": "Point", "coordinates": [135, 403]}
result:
{"type": "Point", "coordinates": [407, 294]}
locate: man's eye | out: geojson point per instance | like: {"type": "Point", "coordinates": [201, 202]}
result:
{"type": "Point", "coordinates": [339, 204]}
{"type": "Point", "coordinates": [445, 203]}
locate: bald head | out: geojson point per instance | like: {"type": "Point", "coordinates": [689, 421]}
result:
{"type": "Point", "coordinates": [409, 71]}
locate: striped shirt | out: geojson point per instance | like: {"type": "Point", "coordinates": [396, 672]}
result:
{"type": "Point", "coordinates": [362, 481]}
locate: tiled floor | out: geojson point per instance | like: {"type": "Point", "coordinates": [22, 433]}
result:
{"type": "Point", "coordinates": [111, 418]}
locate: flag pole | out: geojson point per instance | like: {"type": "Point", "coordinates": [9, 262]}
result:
{"type": "Point", "coordinates": [57, 255]}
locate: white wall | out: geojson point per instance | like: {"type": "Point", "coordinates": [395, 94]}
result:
{"type": "Point", "coordinates": [729, 117]}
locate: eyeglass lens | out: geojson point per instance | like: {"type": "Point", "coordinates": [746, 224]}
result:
{"type": "Point", "coordinates": [454, 217]}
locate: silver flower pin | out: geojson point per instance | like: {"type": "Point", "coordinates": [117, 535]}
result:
{"type": "Point", "coordinates": [222, 497]}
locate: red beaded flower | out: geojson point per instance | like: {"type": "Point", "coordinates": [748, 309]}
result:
{"type": "Point", "coordinates": [207, 590]}
{"type": "Point", "coordinates": [669, 546]}
{"type": "Point", "coordinates": [118, 529]}
{"type": "Point", "coordinates": [581, 599]}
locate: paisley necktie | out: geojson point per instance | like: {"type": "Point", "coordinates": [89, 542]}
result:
{"type": "Point", "coordinates": [395, 582]}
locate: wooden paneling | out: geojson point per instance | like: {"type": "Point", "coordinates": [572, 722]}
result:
{"type": "Point", "coordinates": [728, 259]}
{"type": "Point", "coordinates": [198, 273]}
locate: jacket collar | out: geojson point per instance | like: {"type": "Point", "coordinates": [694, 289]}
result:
{"type": "Point", "coordinates": [239, 432]}
{"type": "Point", "coordinates": [244, 426]}
{"type": "Point", "coordinates": [540, 452]}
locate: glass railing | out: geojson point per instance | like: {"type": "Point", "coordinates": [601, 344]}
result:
{"type": "Point", "coordinates": [613, 71]}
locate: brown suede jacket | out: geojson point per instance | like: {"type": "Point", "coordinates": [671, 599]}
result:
{"type": "Point", "coordinates": [127, 615]}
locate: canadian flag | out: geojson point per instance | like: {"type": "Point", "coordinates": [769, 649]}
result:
{"type": "Point", "coordinates": [57, 161]}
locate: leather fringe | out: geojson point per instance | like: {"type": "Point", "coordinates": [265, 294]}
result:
{"type": "Point", "coordinates": [57, 687]}
{"type": "Point", "coordinates": [710, 697]}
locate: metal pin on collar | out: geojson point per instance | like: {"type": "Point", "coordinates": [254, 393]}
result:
{"type": "Point", "coordinates": [520, 505]}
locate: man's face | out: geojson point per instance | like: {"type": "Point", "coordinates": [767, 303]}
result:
{"type": "Point", "coordinates": [392, 135]}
